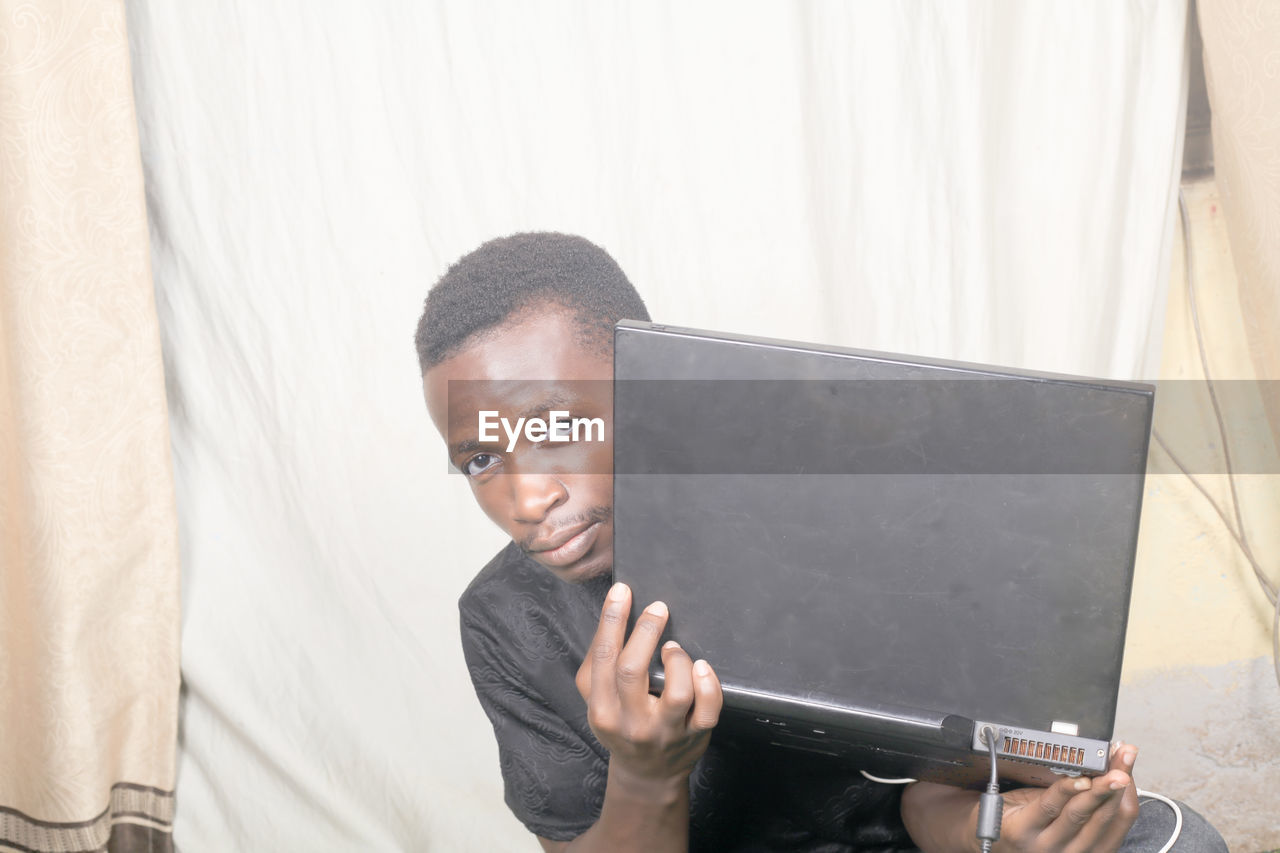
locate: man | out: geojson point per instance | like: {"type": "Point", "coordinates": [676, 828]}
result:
{"type": "Point", "coordinates": [522, 327]}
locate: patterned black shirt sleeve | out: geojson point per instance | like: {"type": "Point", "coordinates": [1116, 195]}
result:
{"type": "Point", "coordinates": [553, 769]}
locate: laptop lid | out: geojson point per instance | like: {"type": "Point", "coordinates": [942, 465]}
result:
{"type": "Point", "coordinates": [884, 551]}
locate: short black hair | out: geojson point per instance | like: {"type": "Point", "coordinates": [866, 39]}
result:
{"type": "Point", "coordinates": [510, 274]}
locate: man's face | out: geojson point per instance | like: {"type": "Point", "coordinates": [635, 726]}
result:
{"type": "Point", "coordinates": [555, 500]}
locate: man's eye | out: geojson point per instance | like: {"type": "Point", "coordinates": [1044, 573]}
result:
{"type": "Point", "coordinates": [478, 464]}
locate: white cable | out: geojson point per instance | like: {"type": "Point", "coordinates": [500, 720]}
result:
{"type": "Point", "coordinates": [1177, 817]}
{"type": "Point", "coordinates": [886, 781]}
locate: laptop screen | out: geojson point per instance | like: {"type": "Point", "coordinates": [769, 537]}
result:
{"type": "Point", "coordinates": [838, 528]}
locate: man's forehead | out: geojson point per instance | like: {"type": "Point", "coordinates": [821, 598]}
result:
{"type": "Point", "coordinates": [513, 365]}
{"type": "Point", "coordinates": [456, 404]}
{"type": "Point", "coordinates": [515, 397]}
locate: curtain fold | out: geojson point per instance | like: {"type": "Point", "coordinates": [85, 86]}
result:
{"type": "Point", "coordinates": [89, 614]}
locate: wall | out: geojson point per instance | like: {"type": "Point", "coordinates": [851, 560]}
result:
{"type": "Point", "coordinates": [1199, 693]}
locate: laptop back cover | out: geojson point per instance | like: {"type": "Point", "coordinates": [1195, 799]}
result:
{"type": "Point", "coordinates": [903, 538]}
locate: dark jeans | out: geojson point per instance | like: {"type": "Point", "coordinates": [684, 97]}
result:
{"type": "Point", "coordinates": [1155, 824]}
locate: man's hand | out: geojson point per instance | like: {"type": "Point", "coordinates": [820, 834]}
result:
{"type": "Point", "coordinates": [652, 741]}
{"type": "Point", "coordinates": [1074, 814]}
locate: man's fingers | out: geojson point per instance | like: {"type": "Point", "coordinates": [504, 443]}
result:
{"type": "Point", "coordinates": [1124, 818]}
{"type": "Point", "coordinates": [677, 687]}
{"type": "Point", "coordinates": [1116, 816]}
{"type": "Point", "coordinates": [602, 708]}
{"type": "Point", "coordinates": [633, 662]}
{"type": "Point", "coordinates": [1101, 800]}
{"type": "Point", "coordinates": [1089, 813]}
{"type": "Point", "coordinates": [1081, 813]}
{"type": "Point", "coordinates": [708, 698]}
{"type": "Point", "coordinates": [1123, 757]}
{"type": "Point", "coordinates": [1054, 799]}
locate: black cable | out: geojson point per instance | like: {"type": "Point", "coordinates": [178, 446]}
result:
{"type": "Point", "coordinates": [993, 785]}
{"type": "Point", "coordinates": [990, 804]}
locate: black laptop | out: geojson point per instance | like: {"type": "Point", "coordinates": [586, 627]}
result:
{"type": "Point", "coordinates": [882, 555]}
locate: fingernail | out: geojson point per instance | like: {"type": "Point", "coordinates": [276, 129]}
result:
{"type": "Point", "coordinates": [1081, 784]}
{"type": "Point", "coordinates": [657, 609]}
{"type": "Point", "coordinates": [671, 644]}
{"type": "Point", "coordinates": [1129, 757]}
{"type": "Point", "coordinates": [701, 667]}
{"type": "Point", "coordinates": [618, 592]}
{"type": "Point", "coordinates": [1116, 786]}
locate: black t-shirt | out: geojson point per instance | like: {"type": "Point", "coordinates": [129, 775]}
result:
{"type": "Point", "coordinates": [524, 634]}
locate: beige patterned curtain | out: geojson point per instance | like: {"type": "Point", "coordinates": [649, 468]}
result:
{"type": "Point", "coordinates": [88, 537]}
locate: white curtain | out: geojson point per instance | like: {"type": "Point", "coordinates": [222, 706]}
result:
{"type": "Point", "coordinates": [984, 181]}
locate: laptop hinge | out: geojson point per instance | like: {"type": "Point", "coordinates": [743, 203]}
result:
{"type": "Point", "coordinates": [878, 720]}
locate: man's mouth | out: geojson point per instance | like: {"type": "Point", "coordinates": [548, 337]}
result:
{"type": "Point", "coordinates": [567, 547]}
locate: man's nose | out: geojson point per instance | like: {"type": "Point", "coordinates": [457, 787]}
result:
{"type": "Point", "coordinates": [536, 495]}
